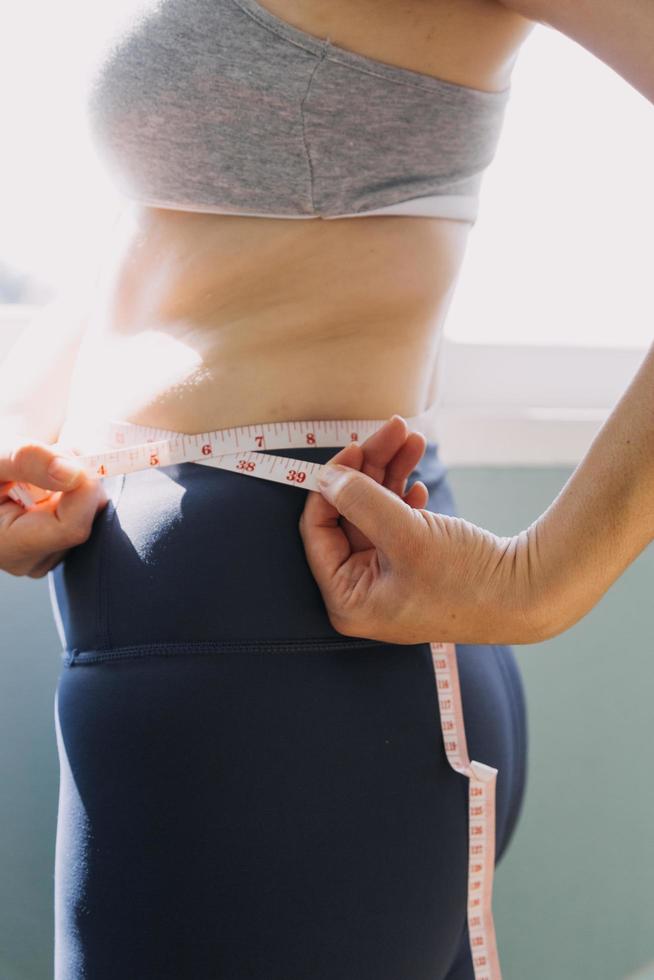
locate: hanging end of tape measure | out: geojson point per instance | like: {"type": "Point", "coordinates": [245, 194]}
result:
{"type": "Point", "coordinates": [483, 772]}
{"type": "Point", "coordinates": [21, 496]}
{"type": "Point", "coordinates": [27, 498]}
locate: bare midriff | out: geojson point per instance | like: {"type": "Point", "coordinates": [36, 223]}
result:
{"type": "Point", "coordinates": [203, 321]}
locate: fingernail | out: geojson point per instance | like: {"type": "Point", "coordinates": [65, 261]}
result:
{"type": "Point", "coordinates": [330, 474]}
{"type": "Point", "coordinates": [327, 475]}
{"type": "Point", "coordinates": [63, 470]}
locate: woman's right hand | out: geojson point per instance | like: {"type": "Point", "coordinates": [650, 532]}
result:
{"type": "Point", "coordinates": [391, 571]}
{"type": "Point", "coordinates": [34, 540]}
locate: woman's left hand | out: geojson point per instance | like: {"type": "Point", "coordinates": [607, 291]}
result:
{"type": "Point", "coordinates": [391, 571]}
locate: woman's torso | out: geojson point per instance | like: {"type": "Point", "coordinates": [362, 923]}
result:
{"type": "Point", "coordinates": [202, 321]}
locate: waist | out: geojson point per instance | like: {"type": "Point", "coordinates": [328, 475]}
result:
{"type": "Point", "coordinates": [201, 322]}
{"type": "Point", "coordinates": [189, 553]}
{"type": "Point", "coordinates": [135, 391]}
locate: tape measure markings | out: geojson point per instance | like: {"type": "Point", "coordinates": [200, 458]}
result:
{"type": "Point", "coordinates": [481, 813]}
{"type": "Point", "coordinates": [135, 448]}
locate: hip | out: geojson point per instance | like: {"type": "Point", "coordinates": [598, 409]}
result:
{"type": "Point", "coordinates": [198, 655]}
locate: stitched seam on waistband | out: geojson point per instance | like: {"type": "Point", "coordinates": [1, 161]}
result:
{"type": "Point", "coordinates": [204, 647]}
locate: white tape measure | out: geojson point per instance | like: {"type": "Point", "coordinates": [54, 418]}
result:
{"type": "Point", "coordinates": [242, 450]}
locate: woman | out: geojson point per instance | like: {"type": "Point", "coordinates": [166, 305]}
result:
{"type": "Point", "coordinates": [225, 812]}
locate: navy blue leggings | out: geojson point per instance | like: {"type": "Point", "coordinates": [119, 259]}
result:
{"type": "Point", "coordinates": [245, 793]}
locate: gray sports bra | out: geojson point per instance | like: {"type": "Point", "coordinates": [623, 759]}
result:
{"type": "Point", "coordinates": [221, 106]}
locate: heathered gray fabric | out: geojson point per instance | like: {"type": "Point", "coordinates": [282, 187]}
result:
{"type": "Point", "coordinates": [219, 105]}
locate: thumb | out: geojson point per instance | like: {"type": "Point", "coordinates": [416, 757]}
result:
{"type": "Point", "coordinates": [39, 464]}
{"type": "Point", "coordinates": [376, 511]}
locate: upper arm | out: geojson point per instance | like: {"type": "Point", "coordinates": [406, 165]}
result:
{"type": "Point", "coordinates": [619, 32]}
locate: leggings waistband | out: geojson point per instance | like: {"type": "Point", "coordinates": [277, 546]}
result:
{"type": "Point", "coordinates": [191, 553]}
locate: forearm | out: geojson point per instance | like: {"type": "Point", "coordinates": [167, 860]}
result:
{"type": "Point", "coordinates": [604, 515]}
{"type": "Point", "coordinates": [619, 32]}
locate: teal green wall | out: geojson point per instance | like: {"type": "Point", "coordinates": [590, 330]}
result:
{"type": "Point", "coordinates": [573, 894]}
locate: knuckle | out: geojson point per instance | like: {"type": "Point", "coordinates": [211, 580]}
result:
{"type": "Point", "coordinates": [429, 527]}
{"type": "Point", "coordinates": [78, 533]}
{"type": "Point", "coordinates": [38, 574]}
{"type": "Point", "coordinates": [341, 626]}
{"type": "Point", "coordinates": [352, 490]}
{"type": "Point", "coordinates": [414, 543]}
{"type": "Point", "coordinates": [344, 624]}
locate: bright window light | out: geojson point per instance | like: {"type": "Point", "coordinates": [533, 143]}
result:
{"type": "Point", "coordinates": [562, 250]}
